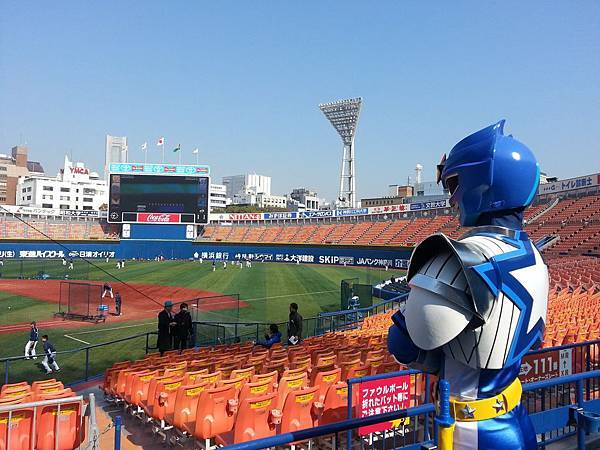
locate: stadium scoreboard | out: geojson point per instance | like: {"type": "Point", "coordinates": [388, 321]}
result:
{"type": "Point", "coordinates": [158, 193]}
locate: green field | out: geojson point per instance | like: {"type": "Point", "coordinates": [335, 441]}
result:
{"type": "Point", "coordinates": [266, 288]}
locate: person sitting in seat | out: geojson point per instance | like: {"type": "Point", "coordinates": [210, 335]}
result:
{"type": "Point", "coordinates": [273, 337]}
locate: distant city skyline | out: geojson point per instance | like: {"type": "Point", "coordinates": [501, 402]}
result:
{"type": "Point", "coordinates": [242, 82]}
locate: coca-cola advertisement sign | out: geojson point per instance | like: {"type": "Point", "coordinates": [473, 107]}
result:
{"type": "Point", "coordinates": [158, 218]}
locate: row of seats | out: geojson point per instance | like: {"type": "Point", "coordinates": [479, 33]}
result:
{"type": "Point", "coordinates": [235, 393]}
{"type": "Point", "coordinates": [56, 229]}
{"type": "Point", "coordinates": [576, 221]}
{"type": "Point", "coordinates": [38, 427]}
{"type": "Point", "coordinates": [398, 232]}
{"type": "Point", "coordinates": [573, 316]}
{"type": "Point", "coordinates": [570, 273]}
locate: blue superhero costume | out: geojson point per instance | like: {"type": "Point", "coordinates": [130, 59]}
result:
{"type": "Point", "coordinates": [478, 304]}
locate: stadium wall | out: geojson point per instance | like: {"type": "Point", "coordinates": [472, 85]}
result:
{"type": "Point", "coordinates": [392, 257]}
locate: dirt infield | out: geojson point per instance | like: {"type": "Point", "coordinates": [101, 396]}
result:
{"type": "Point", "coordinates": [137, 300]}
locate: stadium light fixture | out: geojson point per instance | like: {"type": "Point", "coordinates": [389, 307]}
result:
{"type": "Point", "coordinates": [343, 115]}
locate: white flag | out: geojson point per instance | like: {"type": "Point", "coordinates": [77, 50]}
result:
{"type": "Point", "coordinates": [195, 151]}
{"type": "Point", "coordinates": [161, 141]}
{"type": "Point", "coordinates": [145, 146]}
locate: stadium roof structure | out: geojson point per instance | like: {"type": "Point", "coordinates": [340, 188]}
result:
{"type": "Point", "coordinates": [343, 115]}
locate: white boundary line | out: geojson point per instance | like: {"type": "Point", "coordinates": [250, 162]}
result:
{"type": "Point", "coordinates": [75, 339]}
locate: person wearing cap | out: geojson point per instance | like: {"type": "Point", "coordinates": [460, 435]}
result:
{"type": "Point", "coordinates": [33, 340]}
{"type": "Point", "coordinates": [166, 328]}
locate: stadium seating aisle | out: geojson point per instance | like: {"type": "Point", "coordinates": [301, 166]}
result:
{"type": "Point", "coordinates": [234, 393]}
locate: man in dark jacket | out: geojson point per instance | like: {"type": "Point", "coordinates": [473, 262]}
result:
{"type": "Point", "coordinates": [118, 303]}
{"type": "Point", "coordinates": [184, 328]}
{"type": "Point", "coordinates": [49, 355]}
{"type": "Point", "coordinates": [166, 325]}
{"type": "Point", "coordinates": [294, 325]}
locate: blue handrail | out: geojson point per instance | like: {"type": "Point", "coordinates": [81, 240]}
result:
{"type": "Point", "coordinates": [350, 424]}
{"type": "Point", "coordinates": [324, 430]}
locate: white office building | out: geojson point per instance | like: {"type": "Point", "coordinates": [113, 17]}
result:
{"type": "Point", "coordinates": [217, 197]}
{"type": "Point", "coordinates": [247, 184]}
{"type": "Point", "coordinates": [75, 187]}
{"type": "Point", "coordinates": [116, 151]}
{"type": "Point", "coordinates": [306, 197]}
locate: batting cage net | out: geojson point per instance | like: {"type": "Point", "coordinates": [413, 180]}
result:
{"type": "Point", "coordinates": [82, 301]}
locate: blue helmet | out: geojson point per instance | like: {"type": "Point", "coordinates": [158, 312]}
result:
{"type": "Point", "coordinates": [489, 172]}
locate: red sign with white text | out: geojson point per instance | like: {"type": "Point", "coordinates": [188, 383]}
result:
{"type": "Point", "coordinates": [383, 396]}
{"type": "Point", "coordinates": [159, 218]}
{"type": "Point", "coordinates": [543, 366]}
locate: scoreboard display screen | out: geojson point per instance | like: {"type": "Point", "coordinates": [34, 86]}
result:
{"type": "Point", "coordinates": [158, 199]}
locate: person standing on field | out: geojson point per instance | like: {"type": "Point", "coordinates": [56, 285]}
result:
{"type": "Point", "coordinates": [33, 340]}
{"type": "Point", "coordinates": [107, 290]}
{"type": "Point", "coordinates": [49, 356]}
{"type": "Point", "coordinates": [118, 303]}
{"type": "Point", "coordinates": [294, 325]}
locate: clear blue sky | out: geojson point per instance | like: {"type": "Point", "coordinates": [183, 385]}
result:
{"type": "Point", "coordinates": [242, 81]}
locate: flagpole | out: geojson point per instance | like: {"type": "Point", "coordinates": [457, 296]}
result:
{"type": "Point", "coordinates": [179, 156]}
{"type": "Point", "coordinates": [163, 150]}
{"type": "Point", "coordinates": [196, 157]}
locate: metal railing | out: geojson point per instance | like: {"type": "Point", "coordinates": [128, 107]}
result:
{"type": "Point", "coordinates": [568, 415]}
{"type": "Point", "coordinates": [13, 414]}
{"type": "Point", "coordinates": [81, 364]}
{"type": "Point", "coordinates": [215, 333]}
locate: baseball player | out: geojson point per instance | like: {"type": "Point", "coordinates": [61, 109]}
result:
{"type": "Point", "coordinates": [49, 356]}
{"type": "Point", "coordinates": [107, 290]}
{"type": "Point", "coordinates": [33, 340]}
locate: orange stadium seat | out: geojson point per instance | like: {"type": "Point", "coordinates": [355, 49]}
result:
{"type": "Point", "coordinates": [216, 412]}
{"type": "Point", "coordinates": [19, 423]}
{"type": "Point", "coordinates": [183, 415]}
{"type": "Point", "coordinates": [257, 418]}
{"type": "Point", "coordinates": [300, 410]}
{"type": "Point", "coordinates": [68, 432]}
{"type": "Point", "coordinates": [335, 403]}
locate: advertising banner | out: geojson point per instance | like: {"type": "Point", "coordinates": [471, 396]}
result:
{"type": "Point", "coordinates": [383, 396]}
{"type": "Point", "coordinates": [429, 205]}
{"type": "Point", "coordinates": [158, 217]}
{"type": "Point", "coordinates": [388, 209]}
{"type": "Point", "coordinates": [172, 245]}
{"type": "Point", "coordinates": [280, 215]}
{"type": "Point", "coordinates": [34, 211]}
{"type": "Point", "coordinates": [569, 184]}
{"type": "Point", "coordinates": [243, 216]}
{"type": "Point", "coordinates": [79, 213]}
{"type": "Point", "coordinates": [316, 214]}
{"type": "Point", "coordinates": [351, 212]}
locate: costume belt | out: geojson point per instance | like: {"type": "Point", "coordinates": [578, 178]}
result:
{"type": "Point", "coordinates": [487, 408]}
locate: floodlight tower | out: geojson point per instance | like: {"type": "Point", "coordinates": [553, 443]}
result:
{"type": "Point", "coordinates": [343, 115]}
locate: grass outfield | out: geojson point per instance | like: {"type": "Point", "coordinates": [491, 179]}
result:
{"type": "Point", "coordinates": [266, 288]}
